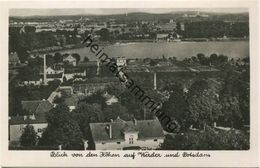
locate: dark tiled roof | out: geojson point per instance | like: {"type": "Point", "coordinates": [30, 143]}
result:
{"type": "Point", "coordinates": [39, 119]}
{"type": "Point", "coordinates": [37, 106]}
{"type": "Point", "coordinates": [146, 129]}
{"type": "Point", "coordinates": [59, 75]}
{"type": "Point", "coordinates": [73, 70]}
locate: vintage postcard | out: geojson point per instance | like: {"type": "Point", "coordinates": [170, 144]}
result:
{"type": "Point", "coordinates": [130, 84]}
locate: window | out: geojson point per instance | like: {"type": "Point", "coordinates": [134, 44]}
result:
{"type": "Point", "coordinates": [118, 142]}
{"type": "Point", "coordinates": [131, 139]}
{"type": "Point", "coordinates": [155, 140]}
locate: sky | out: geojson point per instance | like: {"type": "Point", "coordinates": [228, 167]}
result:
{"type": "Point", "coordinates": [106, 11]}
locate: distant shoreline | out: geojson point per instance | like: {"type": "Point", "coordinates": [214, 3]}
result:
{"type": "Point", "coordinates": [54, 49]}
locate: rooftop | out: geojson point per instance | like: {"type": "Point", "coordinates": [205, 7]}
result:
{"type": "Point", "coordinates": [145, 128]}
{"type": "Point", "coordinates": [37, 106]}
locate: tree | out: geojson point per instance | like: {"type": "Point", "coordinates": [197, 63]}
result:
{"type": "Point", "coordinates": [104, 34]}
{"type": "Point", "coordinates": [57, 57]}
{"type": "Point", "coordinates": [29, 136]}
{"type": "Point", "coordinates": [76, 56]}
{"type": "Point", "coordinates": [85, 114]}
{"type": "Point", "coordinates": [86, 59]}
{"type": "Point", "coordinates": [29, 29]}
{"type": "Point", "coordinates": [116, 110]}
{"type": "Point", "coordinates": [62, 129]}
{"type": "Point", "coordinates": [176, 106]}
{"type": "Point", "coordinates": [203, 104]}
{"type": "Point", "coordinates": [231, 110]}
{"type": "Point", "coordinates": [210, 139]}
{"type": "Point", "coordinates": [49, 60]}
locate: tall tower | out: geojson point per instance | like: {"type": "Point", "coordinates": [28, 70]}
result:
{"type": "Point", "coordinates": [44, 70]}
{"type": "Point", "coordinates": [154, 81]}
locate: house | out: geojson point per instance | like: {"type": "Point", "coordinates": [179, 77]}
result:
{"type": "Point", "coordinates": [168, 27]}
{"type": "Point", "coordinates": [50, 70]}
{"type": "Point", "coordinates": [110, 99]}
{"type": "Point", "coordinates": [36, 106]}
{"type": "Point", "coordinates": [32, 80]}
{"type": "Point", "coordinates": [70, 60]}
{"type": "Point", "coordinates": [120, 134]}
{"type": "Point", "coordinates": [163, 36]}
{"type": "Point", "coordinates": [68, 90]}
{"type": "Point", "coordinates": [121, 61]}
{"type": "Point", "coordinates": [52, 77]}
{"type": "Point", "coordinates": [70, 73]}
{"type": "Point", "coordinates": [13, 59]}
{"type": "Point", "coordinates": [18, 123]}
{"type": "Point", "coordinates": [36, 110]}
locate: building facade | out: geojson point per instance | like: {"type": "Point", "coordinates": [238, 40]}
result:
{"type": "Point", "coordinates": [122, 135]}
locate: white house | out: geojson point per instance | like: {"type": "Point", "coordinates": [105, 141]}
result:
{"type": "Point", "coordinates": [50, 70]}
{"type": "Point", "coordinates": [70, 73]}
{"type": "Point", "coordinates": [52, 77]}
{"type": "Point", "coordinates": [18, 123]}
{"type": "Point", "coordinates": [121, 61]}
{"type": "Point", "coordinates": [71, 60]}
{"type": "Point", "coordinates": [32, 80]}
{"type": "Point", "coordinates": [120, 134]}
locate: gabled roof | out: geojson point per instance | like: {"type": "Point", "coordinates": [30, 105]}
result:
{"type": "Point", "coordinates": [59, 75]}
{"type": "Point", "coordinates": [146, 129]}
{"type": "Point", "coordinates": [37, 106]}
{"type": "Point", "coordinates": [70, 57]}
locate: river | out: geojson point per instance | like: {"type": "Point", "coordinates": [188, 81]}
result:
{"type": "Point", "coordinates": [180, 50]}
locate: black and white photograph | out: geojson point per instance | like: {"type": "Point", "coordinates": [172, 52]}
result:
{"type": "Point", "coordinates": [129, 79]}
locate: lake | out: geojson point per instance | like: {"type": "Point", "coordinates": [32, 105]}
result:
{"type": "Point", "coordinates": [180, 50]}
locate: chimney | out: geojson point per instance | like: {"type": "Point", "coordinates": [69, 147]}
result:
{"type": "Point", "coordinates": [24, 118]}
{"type": "Point", "coordinates": [98, 67]}
{"type": "Point", "coordinates": [85, 144]}
{"type": "Point", "coordinates": [109, 130]}
{"type": "Point", "coordinates": [44, 70]}
{"type": "Point", "coordinates": [135, 121]}
{"type": "Point", "coordinates": [154, 81]}
{"type": "Point", "coordinates": [215, 124]}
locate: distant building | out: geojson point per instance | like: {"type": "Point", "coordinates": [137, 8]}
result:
{"type": "Point", "coordinates": [13, 59]}
{"type": "Point", "coordinates": [32, 80]}
{"type": "Point", "coordinates": [52, 77]}
{"type": "Point", "coordinates": [121, 61]}
{"type": "Point", "coordinates": [110, 99]}
{"type": "Point", "coordinates": [161, 36]}
{"type": "Point", "coordinates": [168, 27]}
{"type": "Point", "coordinates": [50, 70]}
{"type": "Point", "coordinates": [71, 60]}
{"type": "Point", "coordinates": [70, 73]}
{"type": "Point", "coordinates": [120, 134]}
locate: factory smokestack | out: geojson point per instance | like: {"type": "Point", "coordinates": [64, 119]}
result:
{"type": "Point", "coordinates": [154, 81]}
{"type": "Point", "coordinates": [44, 70]}
{"type": "Point", "coordinates": [98, 67]}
